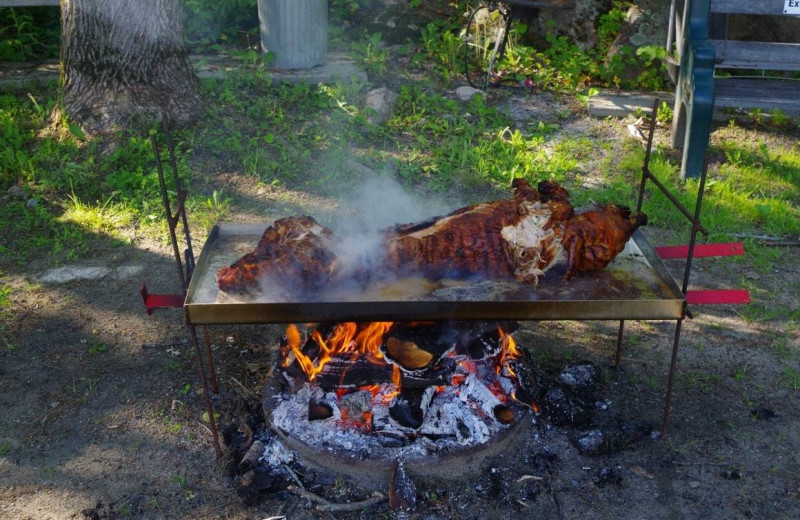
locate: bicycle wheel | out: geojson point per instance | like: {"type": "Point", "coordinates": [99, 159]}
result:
{"type": "Point", "coordinates": [484, 39]}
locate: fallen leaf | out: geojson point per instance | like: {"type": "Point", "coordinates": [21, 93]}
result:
{"type": "Point", "coordinates": [641, 472]}
{"type": "Point", "coordinates": [523, 478]}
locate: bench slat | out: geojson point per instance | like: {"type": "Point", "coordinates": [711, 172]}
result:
{"type": "Point", "coordinates": [757, 93]}
{"type": "Point", "coordinates": [28, 3]}
{"type": "Point", "coordinates": [770, 7]}
{"type": "Point", "coordinates": [735, 54]}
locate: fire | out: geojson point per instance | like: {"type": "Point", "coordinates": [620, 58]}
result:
{"type": "Point", "coordinates": [355, 342]}
{"type": "Point", "coordinates": [508, 353]}
{"type": "Point", "coordinates": [356, 339]}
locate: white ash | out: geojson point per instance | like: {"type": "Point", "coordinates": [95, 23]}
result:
{"type": "Point", "coordinates": [476, 392]}
{"type": "Point", "coordinates": [275, 454]}
{"type": "Point", "coordinates": [455, 418]}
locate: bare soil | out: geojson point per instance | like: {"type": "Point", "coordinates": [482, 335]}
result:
{"type": "Point", "coordinates": [101, 412]}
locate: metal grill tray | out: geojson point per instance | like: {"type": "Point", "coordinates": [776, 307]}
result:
{"type": "Point", "coordinates": [635, 286]}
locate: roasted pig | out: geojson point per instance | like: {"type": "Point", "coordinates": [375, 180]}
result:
{"type": "Point", "coordinates": [521, 237]}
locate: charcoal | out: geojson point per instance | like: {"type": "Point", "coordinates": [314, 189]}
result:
{"type": "Point", "coordinates": [408, 409]}
{"type": "Point", "coordinates": [562, 410]}
{"type": "Point", "coordinates": [582, 380]}
{"type": "Point", "coordinates": [318, 411]}
{"type": "Point", "coordinates": [607, 475]}
{"type": "Point", "coordinates": [731, 474]}
{"type": "Point", "coordinates": [402, 491]}
{"type": "Point", "coordinates": [355, 404]}
{"type": "Point", "coordinates": [250, 458]}
{"type": "Point", "coordinates": [475, 391]}
{"type": "Point", "coordinates": [610, 438]}
{"type": "Point", "coordinates": [480, 340]}
{"type": "Point", "coordinates": [504, 414]}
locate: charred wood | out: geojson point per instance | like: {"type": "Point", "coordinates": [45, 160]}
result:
{"type": "Point", "coordinates": [402, 491]}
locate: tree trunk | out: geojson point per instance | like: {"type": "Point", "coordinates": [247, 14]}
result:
{"type": "Point", "coordinates": [124, 64]}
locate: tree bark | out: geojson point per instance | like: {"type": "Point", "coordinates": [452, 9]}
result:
{"type": "Point", "coordinates": [124, 64]}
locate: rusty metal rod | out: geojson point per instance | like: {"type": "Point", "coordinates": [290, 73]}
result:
{"type": "Point", "coordinates": [618, 353]}
{"type": "Point", "coordinates": [647, 174]}
{"type": "Point", "coordinates": [646, 166]}
{"type": "Point", "coordinates": [181, 204]}
{"type": "Point", "coordinates": [206, 393]}
{"type": "Point", "coordinates": [673, 365]}
{"type": "Point", "coordinates": [171, 222]}
{"type": "Point", "coordinates": [696, 226]}
{"type": "Point", "coordinates": [211, 369]}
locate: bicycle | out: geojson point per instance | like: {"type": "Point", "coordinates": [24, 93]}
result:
{"type": "Point", "coordinates": [486, 35]}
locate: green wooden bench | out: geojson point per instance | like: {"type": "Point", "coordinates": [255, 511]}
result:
{"type": "Point", "coordinates": [28, 3]}
{"type": "Point", "coordinates": [700, 37]}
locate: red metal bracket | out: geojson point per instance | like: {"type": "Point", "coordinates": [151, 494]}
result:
{"type": "Point", "coordinates": [160, 301]}
{"type": "Point", "coordinates": [708, 297]}
{"type": "Point", "coordinates": [700, 250]}
{"type": "Point", "coordinates": [719, 296]}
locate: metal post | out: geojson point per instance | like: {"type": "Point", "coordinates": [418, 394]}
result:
{"type": "Point", "coordinates": [210, 354]}
{"type": "Point", "coordinates": [171, 222]}
{"type": "Point", "coordinates": [206, 393]}
{"type": "Point", "coordinates": [673, 365]}
{"type": "Point", "coordinates": [618, 353]}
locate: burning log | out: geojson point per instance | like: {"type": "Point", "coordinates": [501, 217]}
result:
{"type": "Point", "coordinates": [408, 408]}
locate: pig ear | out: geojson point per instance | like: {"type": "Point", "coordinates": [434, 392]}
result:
{"type": "Point", "coordinates": [624, 211]}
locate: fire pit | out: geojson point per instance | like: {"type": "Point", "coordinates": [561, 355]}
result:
{"type": "Point", "coordinates": [356, 397]}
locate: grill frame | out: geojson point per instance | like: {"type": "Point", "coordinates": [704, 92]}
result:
{"type": "Point", "coordinates": [669, 304]}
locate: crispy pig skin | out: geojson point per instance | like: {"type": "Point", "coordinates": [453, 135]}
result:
{"type": "Point", "coordinates": [292, 250]}
{"type": "Point", "coordinates": [593, 239]}
{"type": "Point", "coordinates": [521, 237]}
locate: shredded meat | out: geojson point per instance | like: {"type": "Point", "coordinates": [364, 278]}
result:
{"type": "Point", "coordinates": [521, 237]}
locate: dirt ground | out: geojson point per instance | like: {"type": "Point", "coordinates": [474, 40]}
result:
{"type": "Point", "coordinates": [102, 409]}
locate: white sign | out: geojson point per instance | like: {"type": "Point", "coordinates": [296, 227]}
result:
{"type": "Point", "coordinates": [791, 7]}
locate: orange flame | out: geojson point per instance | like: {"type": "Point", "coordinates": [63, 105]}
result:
{"type": "Point", "coordinates": [508, 352]}
{"type": "Point", "coordinates": [357, 339]}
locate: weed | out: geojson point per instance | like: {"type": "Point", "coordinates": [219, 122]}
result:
{"type": "Point", "coordinates": [97, 347]}
{"type": "Point", "coordinates": [5, 447]}
{"type": "Point", "coordinates": [370, 53]}
{"type": "Point", "coordinates": [664, 113]}
{"type": "Point", "coordinates": [791, 378]}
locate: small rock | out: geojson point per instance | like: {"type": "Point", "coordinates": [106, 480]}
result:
{"type": "Point", "coordinates": [466, 93]}
{"type": "Point", "coordinates": [608, 475]}
{"type": "Point", "coordinates": [731, 474]}
{"type": "Point", "coordinates": [694, 484]}
{"type": "Point", "coordinates": [381, 101]}
{"type": "Point", "coordinates": [764, 414]}
{"type": "Point", "coordinates": [31, 203]}
{"type": "Point", "coordinates": [16, 192]}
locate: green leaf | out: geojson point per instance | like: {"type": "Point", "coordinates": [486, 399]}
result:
{"type": "Point", "coordinates": [76, 131]}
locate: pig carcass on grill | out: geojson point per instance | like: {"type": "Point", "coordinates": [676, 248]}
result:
{"type": "Point", "coordinates": [521, 237]}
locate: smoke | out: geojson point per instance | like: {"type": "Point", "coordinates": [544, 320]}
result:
{"type": "Point", "coordinates": [377, 203]}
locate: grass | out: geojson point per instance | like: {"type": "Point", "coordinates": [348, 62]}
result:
{"type": "Point", "coordinates": [303, 137]}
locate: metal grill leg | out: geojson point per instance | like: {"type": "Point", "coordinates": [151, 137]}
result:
{"type": "Point", "coordinates": [211, 368]}
{"type": "Point", "coordinates": [206, 393]}
{"type": "Point", "coordinates": [618, 353]}
{"type": "Point", "coordinates": [673, 365]}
